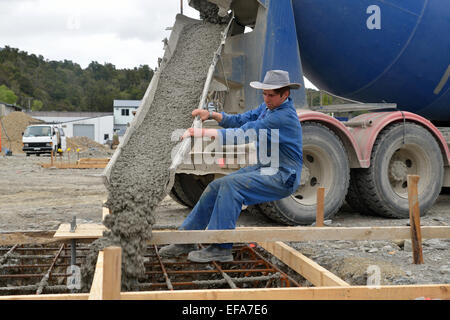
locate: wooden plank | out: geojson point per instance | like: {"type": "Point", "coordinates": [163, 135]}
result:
{"type": "Point", "coordinates": [263, 234]}
{"type": "Point", "coordinates": [434, 291]}
{"type": "Point", "coordinates": [94, 159]}
{"type": "Point", "coordinates": [320, 207]}
{"type": "Point", "coordinates": [310, 270]}
{"type": "Point", "coordinates": [245, 235]}
{"type": "Point", "coordinates": [414, 218]}
{"type": "Point", "coordinates": [96, 292]}
{"type": "Point", "coordinates": [96, 163]}
{"type": "Point", "coordinates": [26, 237]}
{"type": "Point", "coordinates": [73, 166]}
{"type": "Point", "coordinates": [72, 296]}
{"type": "Point", "coordinates": [105, 212]}
{"type": "Point", "coordinates": [83, 231]}
{"type": "Point", "coordinates": [112, 275]}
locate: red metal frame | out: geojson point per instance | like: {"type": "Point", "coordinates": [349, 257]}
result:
{"type": "Point", "coordinates": [359, 141]}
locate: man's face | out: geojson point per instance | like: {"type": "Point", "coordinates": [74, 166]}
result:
{"type": "Point", "coordinates": [274, 100]}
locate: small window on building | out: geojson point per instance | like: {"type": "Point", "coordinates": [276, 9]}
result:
{"type": "Point", "coordinates": [125, 112]}
{"type": "Point", "coordinates": [106, 137]}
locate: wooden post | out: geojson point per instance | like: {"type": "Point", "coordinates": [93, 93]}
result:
{"type": "Point", "coordinates": [414, 219]}
{"type": "Point", "coordinates": [112, 274]}
{"type": "Point", "coordinates": [320, 207]}
{"type": "Point", "coordinates": [181, 6]}
{"type": "Point", "coordinates": [51, 161]}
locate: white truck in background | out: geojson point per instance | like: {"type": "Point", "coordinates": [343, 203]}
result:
{"type": "Point", "coordinates": [43, 138]}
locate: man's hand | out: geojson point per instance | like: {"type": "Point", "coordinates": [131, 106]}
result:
{"type": "Point", "coordinates": [192, 132]}
{"type": "Point", "coordinates": [197, 133]}
{"type": "Point", "coordinates": [202, 113]}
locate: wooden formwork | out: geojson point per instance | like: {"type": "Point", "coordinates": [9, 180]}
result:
{"type": "Point", "coordinates": [83, 163]}
{"type": "Point", "coordinates": [106, 284]}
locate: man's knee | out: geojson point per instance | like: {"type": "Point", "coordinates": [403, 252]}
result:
{"type": "Point", "coordinates": [221, 183]}
{"type": "Point", "coordinates": [214, 185]}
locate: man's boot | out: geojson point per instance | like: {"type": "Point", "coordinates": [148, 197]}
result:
{"type": "Point", "coordinates": [174, 250]}
{"type": "Point", "coordinates": [211, 253]}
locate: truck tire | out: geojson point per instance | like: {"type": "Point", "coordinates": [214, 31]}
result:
{"type": "Point", "coordinates": [353, 197]}
{"type": "Point", "coordinates": [325, 164]}
{"type": "Point", "coordinates": [188, 188]}
{"type": "Point", "coordinates": [178, 195]}
{"type": "Point", "coordinates": [401, 150]}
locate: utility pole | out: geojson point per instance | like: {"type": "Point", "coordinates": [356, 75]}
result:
{"type": "Point", "coordinates": [29, 103]}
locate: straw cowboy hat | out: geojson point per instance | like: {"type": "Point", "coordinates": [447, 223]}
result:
{"type": "Point", "coordinates": [275, 79]}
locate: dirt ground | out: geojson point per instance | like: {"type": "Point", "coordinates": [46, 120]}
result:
{"type": "Point", "coordinates": [33, 198]}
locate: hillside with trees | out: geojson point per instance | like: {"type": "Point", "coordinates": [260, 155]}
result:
{"type": "Point", "coordinates": [44, 85]}
{"type": "Point", "coordinates": [35, 83]}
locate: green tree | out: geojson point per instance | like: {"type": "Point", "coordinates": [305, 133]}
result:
{"type": "Point", "coordinates": [7, 95]}
{"type": "Point", "coordinates": [64, 85]}
{"type": "Point", "coordinates": [37, 105]}
{"type": "Point", "coordinates": [326, 100]}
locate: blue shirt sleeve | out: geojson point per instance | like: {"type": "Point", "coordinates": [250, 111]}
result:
{"type": "Point", "coordinates": [250, 131]}
{"type": "Point", "coordinates": [238, 120]}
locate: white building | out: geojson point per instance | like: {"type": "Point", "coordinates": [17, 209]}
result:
{"type": "Point", "coordinates": [6, 108]}
{"type": "Point", "coordinates": [124, 111]}
{"type": "Point", "coordinates": [97, 126]}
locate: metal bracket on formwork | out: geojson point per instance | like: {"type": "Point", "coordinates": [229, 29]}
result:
{"type": "Point", "coordinates": [73, 242]}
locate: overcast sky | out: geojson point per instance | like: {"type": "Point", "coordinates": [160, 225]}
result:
{"type": "Point", "coordinates": [125, 33]}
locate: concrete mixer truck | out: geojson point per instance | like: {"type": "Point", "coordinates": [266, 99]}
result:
{"type": "Point", "coordinates": [390, 57]}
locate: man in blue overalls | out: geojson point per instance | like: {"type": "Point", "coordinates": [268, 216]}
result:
{"type": "Point", "coordinates": [221, 203]}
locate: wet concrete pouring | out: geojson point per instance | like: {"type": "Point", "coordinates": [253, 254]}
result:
{"type": "Point", "coordinates": [140, 174]}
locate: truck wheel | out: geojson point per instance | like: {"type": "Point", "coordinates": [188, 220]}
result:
{"type": "Point", "coordinates": [325, 164]}
{"type": "Point", "coordinates": [401, 150]}
{"type": "Point", "coordinates": [353, 197]}
{"type": "Point", "coordinates": [188, 188]}
{"type": "Point", "coordinates": [177, 194]}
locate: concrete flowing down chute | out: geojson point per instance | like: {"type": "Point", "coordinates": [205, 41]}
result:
{"type": "Point", "coordinates": [138, 177]}
{"type": "Point", "coordinates": [186, 144]}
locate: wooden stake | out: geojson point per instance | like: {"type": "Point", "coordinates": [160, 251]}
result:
{"type": "Point", "coordinates": [51, 161]}
{"type": "Point", "coordinates": [414, 219]}
{"type": "Point", "coordinates": [96, 292]}
{"type": "Point", "coordinates": [112, 274]}
{"type": "Point", "coordinates": [320, 207]}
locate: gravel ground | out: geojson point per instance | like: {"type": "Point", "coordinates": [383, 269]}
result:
{"type": "Point", "coordinates": [33, 198]}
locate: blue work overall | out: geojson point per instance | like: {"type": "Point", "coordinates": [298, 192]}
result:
{"type": "Point", "coordinates": [221, 203]}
